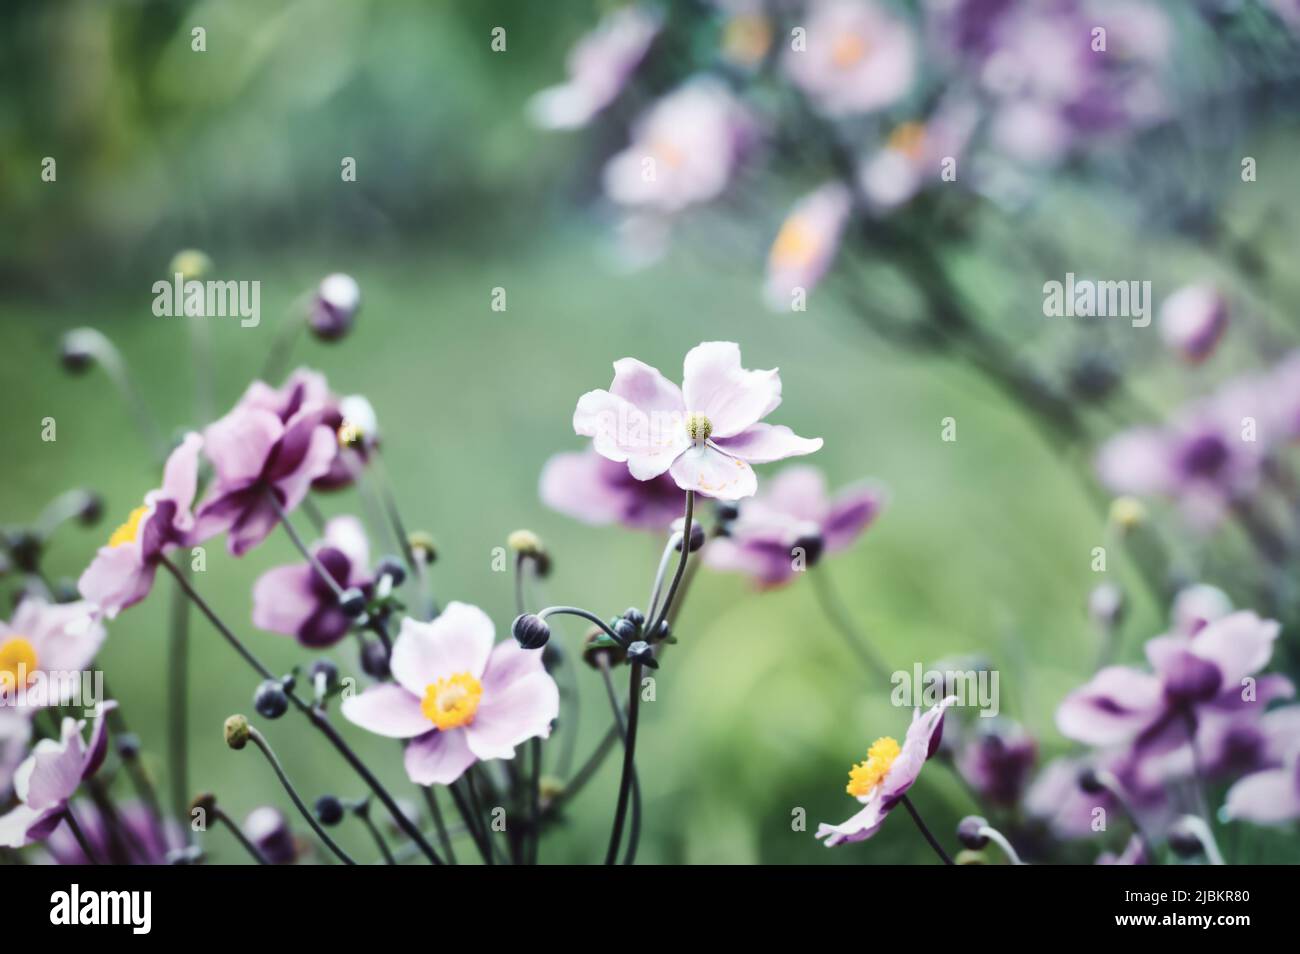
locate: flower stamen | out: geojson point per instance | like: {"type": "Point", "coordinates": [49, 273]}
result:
{"type": "Point", "coordinates": [129, 530]}
{"type": "Point", "coordinates": [698, 427]}
{"type": "Point", "coordinates": [452, 701]}
{"type": "Point", "coordinates": [17, 662]}
{"type": "Point", "coordinates": [865, 776]}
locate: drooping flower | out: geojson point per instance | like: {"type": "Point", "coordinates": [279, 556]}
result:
{"type": "Point", "coordinates": [123, 571]}
{"type": "Point", "coordinates": [256, 456]}
{"type": "Point", "coordinates": [883, 779]}
{"type": "Point", "coordinates": [457, 697]}
{"type": "Point", "coordinates": [997, 762]}
{"type": "Point", "coordinates": [684, 151]}
{"type": "Point", "coordinates": [599, 66]}
{"type": "Point", "coordinates": [334, 307]}
{"type": "Point", "coordinates": [794, 510]}
{"type": "Point", "coordinates": [596, 490]}
{"type": "Point", "coordinates": [295, 601]}
{"type": "Point", "coordinates": [859, 58]}
{"type": "Point", "coordinates": [1272, 796]}
{"type": "Point", "coordinates": [1214, 671]}
{"type": "Point", "coordinates": [807, 243]}
{"type": "Point", "coordinates": [706, 433]}
{"type": "Point", "coordinates": [269, 831]}
{"type": "Point", "coordinates": [1192, 321]}
{"type": "Point", "coordinates": [134, 836]}
{"type": "Point", "coordinates": [48, 778]}
{"type": "Point", "coordinates": [51, 642]}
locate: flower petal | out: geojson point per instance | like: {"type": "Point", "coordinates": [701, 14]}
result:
{"type": "Point", "coordinates": [239, 444]}
{"type": "Point", "coordinates": [858, 828]}
{"type": "Point", "coordinates": [1267, 798]}
{"type": "Point", "coordinates": [438, 758]}
{"type": "Point", "coordinates": [520, 710]}
{"type": "Point", "coordinates": [852, 512]}
{"type": "Point", "coordinates": [708, 470]}
{"type": "Point", "coordinates": [1240, 644]}
{"type": "Point", "coordinates": [764, 443]}
{"type": "Point", "coordinates": [386, 710]}
{"type": "Point", "coordinates": [284, 599]}
{"type": "Point", "coordinates": [457, 641]}
{"type": "Point", "coordinates": [1113, 708]}
{"type": "Point", "coordinates": [732, 398]}
{"type": "Point", "coordinates": [348, 535]}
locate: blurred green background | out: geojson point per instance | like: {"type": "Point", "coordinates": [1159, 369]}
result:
{"type": "Point", "coordinates": [984, 547]}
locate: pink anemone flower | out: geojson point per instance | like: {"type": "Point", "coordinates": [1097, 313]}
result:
{"type": "Point", "coordinates": [456, 696]}
{"type": "Point", "coordinates": [596, 490]}
{"type": "Point", "coordinates": [49, 642]}
{"type": "Point", "coordinates": [706, 433]}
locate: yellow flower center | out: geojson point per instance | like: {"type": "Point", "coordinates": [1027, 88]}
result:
{"type": "Point", "coordinates": [451, 703]}
{"type": "Point", "coordinates": [795, 245]}
{"type": "Point", "coordinates": [667, 152]}
{"type": "Point", "coordinates": [746, 38]}
{"type": "Point", "coordinates": [17, 659]}
{"type": "Point", "coordinates": [698, 427]}
{"type": "Point", "coordinates": [865, 776]}
{"type": "Point", "coordinates": [848, 50]}
{"type": "Point", "coordinates": [909, 139]}
{"type": "Point", "coordinates": [128, 531]}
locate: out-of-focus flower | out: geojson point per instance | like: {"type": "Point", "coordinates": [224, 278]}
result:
{"type": "Point", "coordinates": [859, 58]}
{"type": "Point", "coordinates": [599, 66]}
{"type": "Point", "coordinates": [48, 778]}
{"type": "Point", "coordinates": [295, 601]}
{"type": "Point", "coordinates": [1106, 605]}
{"type": "Point", "coordinates": [1134, 853]}
{"type": "Point", "coordinates": [190, 263]}
{"type": "Point", "coordinates": [53, 642]}
{"type": "Point", "coordinates": [746, 33]}
{"type": "Point", "coordinates": [793, 510]}
{"type": "Point", "coordinates": [706, 434]}
{"type": "Point", "coordinates": [15, 734]}
{"type": "Point", "coordinates": [1272, 797]}
{"type": "Point", "coordinates": [457, 697]}
{"type": "Point", "coordinates": [308, 391]}
{"type": "Point", "coordinates": [1057, 798]}
{"type": "Point", "coordinates": [123, 571]}
{"type": "Point", "coordinates": [684, 151]}
{"type": "Point", "coordinates": [1214, 671]}
{"type": "Point", "coordinates": [596, 490]}
{"type": "Point", "coordinates": [269, 831]}
{"type": "Point", "coordinates": [913, 156]}
{"type": "Point", "coordinates": [883, 779]}
{"type": "Point", "coordinates": [1198, 605]}
{"type": "Point", "coordinates": [334, 307]}
{"type": "Point", "coordinates": [134, 836]}
{"type": "Point", "coordinates": [1288, 11]}
{"type": "Point", "coordinates": [255, 454]}
{"type": "Point", "coordinates": [997, 762]}
{"type": "Point", "coordinates": [1192, 321]}
{"type": "Point", "coordinates": [806, 245]}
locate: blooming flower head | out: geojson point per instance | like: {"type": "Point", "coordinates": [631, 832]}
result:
{"type": "Point", "coordinates": [997, 761]}
{"type": "Point", "coordinates": [599, 66]}
{"type": "Point", "coordinates": [684, 151]}
{"type": "Point", "coordinates": [793, 510]}
{"type": "Point", "coordinates": [295, 601]}
{"type": "Point", "coordinates": [596, 490]}
{"type": "Point", "coordinates": [1214, 671]}
{"type": "Point", "coordinates": [1192, 321]}
{"type": "Point", "coordinates": [123, 571]}
{"type": "Point", "coordinates": [913, 155]}
{"type": "Point", "coordinates": [1272, 796]}
{"type": "Point", "coordinates": [706, 433]}
{"type": "Point", "coordinates": [257, 455]}
{"type": "Point", "coordinates": [55, 641]}
{"type": "Point", "coordinates": [806, 245]}
{"type": "Point", "coordinates": [48, 778]}
{"type": "Point", "coordinates": [457, 697]}
{"type": "Point", "coordinates": [859, 58]}
{"type": "Point", "coordinates": [884, 777]}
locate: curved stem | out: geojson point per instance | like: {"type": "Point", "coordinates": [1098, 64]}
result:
{"type": "Point", "coordinates": [260, 741]}
{"type": "Point", "coordinates": [1001, 840]}
{"type": "Point", "coordinates": [585, 614]}
{"type": "Point", "coordinates": [839, 617]}
{"type": "Point", "coordinates": [934, 842]}
{"type": "Point", "coordinates": [681, 564]}
{"type": "Point", "coordinates": [240, 837]}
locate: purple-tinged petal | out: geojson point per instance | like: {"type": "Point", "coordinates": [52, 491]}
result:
{"type": "Point", "coordinates": [181, 476]}
{"type": "Point", "coordinates": [646, 389]}
{"type": "Point", "coordinates": [459, 640]}
{"type": "Point", "coordinates": [1114, 707]}
{"type": "Point", "coordinates": [596, 490]}
{"type": "Point", "coordinates": [732, 398]}
{"type": "Point", "coordinates": [797, 491]}
{"type": "Point", "coordinates": [24, 825]}
{"type": "Point", "coordinates": [386, 710]}
{"type": "Point", "coordinates": [858, 828]}
{"type": "Point", "coordinates": [765, 443]}
{"type": "Point", "coordinates": [711, 472]}
{"type": "Point", "coordinates": [240, 443]}
{"type": "Point", "coordinates": [97, 750]}
{"type": "Point", "coordinates": [284, 599]}
{"type": "Point", "coordinates": [1137, 462]}
{"type": "Point", "coordinates": [513, 713]}
{"type": "Point", "coordinates": [347, 535]}
{"type": "Point", "coordinates": [1265, 798]}
{"type": "Point", "coordinates": [852, 511]}
{"type": "Point", "coordinates": [66, 636]}
{"type": "Point", "coordinates": [116, 579]}
{"type": "Point", "coordinates": [508, 663]}
{"type": "Point", "coordinates": [438, 758]}
{"type": "Point", "coordinates": [1240, 644]}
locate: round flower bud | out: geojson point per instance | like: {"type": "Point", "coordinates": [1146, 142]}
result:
{"type": "Point", "coordinates": [360, 427]}
{"type": "Point", "coordinates": [1184, 839]}
{"type": "Point", "coordinates": [812, 545]}
{"type": "Point", "coordinates": [1127, 513]}
{"type": "Point", "coordinates": [353, 603]}
{"type": "Point", "coordinates": [374, 660]}
{"type": "Point", "coordinates": [1091, 782]}
{"type": "Point", "coordinates": [624, 630]}
{"type": "Point", "coordinates": [25, 548]}
{"type": "Point", "coordinates": [128, 746]}
{"type": "Point", "coordinates": [392, 567]}
{"type": "Point", "coordinates": [237, 732]}
{"type": "Point", "coordinates": [204, 802]}
{"type": "Point", "coordinates": [596, 649]}
{"type": "Point", "coordinates": [525, 542]}
{"type": "Point", "coordinates": [334, 307]}
{"type": "Point", "coordinates": [664, 634]}
{"type": "Point", "coordinates": [1093, 376]}
{"type": "Point", "coordinates": [422, 546]}
{"type": "Point", "coordinates": [1106, 605]}
{"type": "Point", "coordinates": [727, 511]}
{"type": "Point", "coordinates": [697, 537]}
{"type": "Point", "coordinates": [191, 263]}
{"type": "Point", "coordinates": [270, 699]}
{"type": "Point", "coordinates": [329, 810]}
{"type": "Point", "coordinates": [549, 788]}
{"type": "Point", "coordinates": [1198, 605]}
{"type": "Point", "coordinates": [635, 617]}
{"type": "Point", "coordinates": [530, 631]}
{"type": "Point", "coordinates": [268, 829]}
{"type": "Point", "coordinates": [324, 668]}
{"type": "Point", "coordinates": [970, 832]}
{"type": "Point", "coordinates": [89, 509]}
{"type": "Point", "coordinates": [1192, 320]}
{"type": "Point", "coordinates": [641, 652]}
{"type": "Point", "coordinates": [77, 350]}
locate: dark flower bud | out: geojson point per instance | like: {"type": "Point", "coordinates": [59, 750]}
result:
{"type": "Point", "coordinates": [77, 350]}
{"type": "Point", "coordinates": [811, 546]}
{"type": "Point", "coordinates": [1184, 839]}
{"type": "Point", "coordinates": [268, 829]}
{"type": "Point", "coordinates": [635, 617]}
{"type": "Point", "coordinates": [641, 652]}
{"type": "Point", "coordinates": [25, 548]}
{"type": "Point", "coordinates": [270, 699]}
{"type": "Point", "coordinates": [599, 648]}
{"type": "Point", "coordinates": [697, 538]}
{"type": "Point", "coordinates": [65, 590]}
{"type": "Point", "coordinates": [392, 568]}
{"type": "Point", "coordinates": [237, 732]}
{"type": "Point", "coordinates": [970, 832]}
{"type": "Point", "coordinates": [324, 671]}
{"type": "Point", "coordinates": [727, 511]}
{"type": "Point", "coordinates": [1189, 678]}
{"type": "Point", "coordinates": [329, 810]}
{"type": "Point", "coordinates": [530, 631]}
{"type": "Point", "coordinates": [664, 634]}
{"type": "Point", "coordinates": [89, 508]}
{"type": "Point", "coordinates": [1091, 782]}
{"type": "Point", "coordinates": [353, 603]}
{"type": "Point", "coordinates": [334, 308]}
{"type": "Point", "coordinates": [624, 629]}
{"type": "Point", "coordinates": [374, 660]}
{"type": "Point", "coordinates": [128, 746]}
{"type": "Point", "coordinates": [422, 546]}
{"type": "Point", "coordinates": [1093, 376]}
{"type": "Point", "coordinates": [204, 802]}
